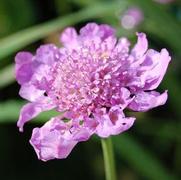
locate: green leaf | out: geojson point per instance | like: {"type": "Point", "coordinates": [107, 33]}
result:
{"type": "Point", "coordinates": [159, 128]}
{"type": "Point", "coordinates": [22, 38]}
{"type": "Point", "coordinates": [7, 76]}
{"type": "Point", "coordinates": [140, 158]}
{"type": "Point", "coordinates": [12, 20]}
{"type": "Point", "coordinates": [10, 111]}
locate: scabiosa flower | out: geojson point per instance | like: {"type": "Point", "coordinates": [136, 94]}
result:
{"type": "Point", "coordinates": [91, 80]}
{"type": "Point", "coordinates": [132, 18]}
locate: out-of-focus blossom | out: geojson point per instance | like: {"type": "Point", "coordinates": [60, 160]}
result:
{"type": "Point", "coordinates": [132, 18]}
{"type": "Point", "coordinates": [164, 1]}
{"type": "Point", "coordinates": [91, 80]}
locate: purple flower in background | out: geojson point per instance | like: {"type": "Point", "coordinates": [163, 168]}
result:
{"type": "Point", "coordinates": [91, 80]}
{"type": "Point", "coordinates": [132, 18]}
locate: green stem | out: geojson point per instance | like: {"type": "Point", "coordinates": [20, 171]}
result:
{"type": "Point", "coordinates": [109, 163]}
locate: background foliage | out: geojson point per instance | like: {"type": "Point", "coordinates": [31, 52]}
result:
{"type": "Point", "coordinates": [150, 150]}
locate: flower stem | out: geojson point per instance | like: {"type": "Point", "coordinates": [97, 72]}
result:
{"type": "Point", "coordinates": [109, 163]}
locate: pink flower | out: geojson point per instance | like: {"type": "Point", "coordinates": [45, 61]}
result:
{"type": "Point", "coordinates": [91, 80]}
{"type": "Point", "coordinates": [132, 18]}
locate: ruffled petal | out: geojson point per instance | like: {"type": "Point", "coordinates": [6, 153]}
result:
{"type": "Point", "coordinates": [141, 46]}
{"type": "Point", "coordinates": [23, 68]}
{"type": "Point", "coordinates": [108, 44]}
{"type": "Point", "coordinates": [93, 30]}
{"type": "Point", "coordinates": [122, 99]}
{"type": "Point", "coordinates": [156, 66]}
{"type": "Point", "coordinates": [112, 123]}
{"type": "Point", "coordinates": [56, 139]}
{"type": "Point", "coordinates": [31, 110]}
{"type": "Point", "coordinates": [69, 38]}
{"type": "Point", "coordinates": [123, 45]}
{"type": "Point", "coordinates": [47, 54]}
{"type": "Point", "coordinates": [144, 101]}
{"type": "Point", "coordinates": [148, 72]}
{"type": "Point", "coordinates": [46, 58]}
{"type": "Point", "coordinates": [82, 131]}
{"type": "Point", "coordinates": [53, 140]}
{"type": "Point", "coordinates": [30, 92]}
{"type": "Point", "coordinates": [106, 30]}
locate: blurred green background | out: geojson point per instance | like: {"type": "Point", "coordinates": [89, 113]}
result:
{"type": "Point", "coordinates": [151, 149]}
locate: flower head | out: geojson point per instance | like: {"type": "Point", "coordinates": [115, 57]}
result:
{"type": "Point", "coordinates": [91, 80]}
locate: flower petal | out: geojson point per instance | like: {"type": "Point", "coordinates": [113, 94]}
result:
{"type": "Point", "coordinates": [113, 123]}
{"type": "Point", "coordinates": [53, 140]}
{"type": "Point", "coordinates": [47, 54]}
{"type": "Point", "coordinates": [159, 62]}
{"type": "Point", "coordinates": [31, 110]}
{"type": "Point", "coordinates": [93, 30]}
{"type": "Point", "coordinates": [148, 72]}
{"type": "Point", "coordinates": [69, 38]}
{"type": "Point", "coordinates": [23, 68]}
{"type": "Point", "coordinates": [144, 101]}
{"type": "Point", "coordinates": [56, 139]}
{"type": "Point", "coordinates": [106, 30]}
{"type": "Point", "coordinates": [141, 46]}
{"type": "Point", "coordinates": [30, 92]}
{"type": "Point", "coordinates": [123, 45]}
